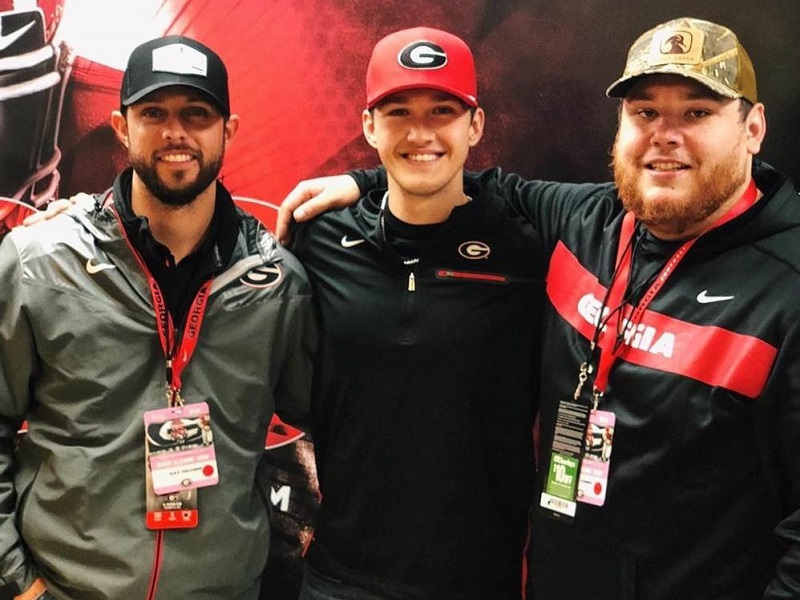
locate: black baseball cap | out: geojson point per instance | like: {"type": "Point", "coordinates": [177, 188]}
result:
{"type": "Point", "coordinates": [175, 60]}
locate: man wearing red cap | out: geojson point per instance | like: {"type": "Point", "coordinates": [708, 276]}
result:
{"type": "Point", "coordinates": [671, 321]}
{"type": "Point", "coordinates": [425, 395]}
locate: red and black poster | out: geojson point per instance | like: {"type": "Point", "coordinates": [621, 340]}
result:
{"type": "Point", "coordinates": [297, 81]}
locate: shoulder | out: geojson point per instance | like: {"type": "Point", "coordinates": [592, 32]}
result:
{"type": "Point", "coordinates": [262, 256]}
{"type": "Point", "coordinates": [44, 237]}
{"type": "Point", "coordinates": [330, 226]}
{"type": "Point", "coordinates": [50, 253]}
{"type": "Point", "coordinates": [776, 227]}
{"type": "Point", "coordinates": [498, 181]}
{"type": "Point", "coordinates": [544, 203]}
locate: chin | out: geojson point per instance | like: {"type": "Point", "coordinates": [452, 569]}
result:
{"type": "Point", "coordinates": [658, 198]}
{"type": "Point", "coordinates": [419, 188]}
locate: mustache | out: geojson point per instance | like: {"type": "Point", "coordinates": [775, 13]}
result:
{"type": "Point", "coordinates": [182, 148]}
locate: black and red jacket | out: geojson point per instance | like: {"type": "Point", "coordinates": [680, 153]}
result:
{"type": "Point", "coordinates": [425, 400]}
{"type": "Point", "coordinates": [704, 487]}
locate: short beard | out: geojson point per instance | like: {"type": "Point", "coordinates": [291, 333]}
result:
{"type": "Point", "coordinates": [676, 218]}
{"type": "Point", "coordinates": [175, 196]}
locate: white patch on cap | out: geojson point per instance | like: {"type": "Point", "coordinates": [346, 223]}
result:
{"type": "Point", "coordinates": [180, 59]}
{"type": "Point", "coordinates": [682, 46]}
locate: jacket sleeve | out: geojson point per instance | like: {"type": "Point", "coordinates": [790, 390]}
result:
{"type": "Point", "coordinates": [17, 361]}
{"type": "Point", "coordinates": [293, 387]}
{"type": "Point", "coordinates": [778, 429]}
{"type": "Point", "coordinates": [371, 179]}
{"type": "Point", "coordinates": [547, 205]}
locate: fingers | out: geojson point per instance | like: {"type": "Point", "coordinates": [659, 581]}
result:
{"type": "Point", "coordinates": [301, 193]}
{"type": "Point", "coordinates": [56, 207]}
{"type": "Point", "coordinates": [34, 591]}
{"type": "Point", "coordinates": [312, 197]}
{"type": "Point", "coordinates": [327, 199]}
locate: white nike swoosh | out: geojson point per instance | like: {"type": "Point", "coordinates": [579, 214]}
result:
{"type": "Point", "coordinates": [350, 243]}
{"type": "Point", "coordinates": [7, 40]}
{"type": "Point", "coordinates": [92, 268]}
{"type": "Point", "coordinates": [704, 298]}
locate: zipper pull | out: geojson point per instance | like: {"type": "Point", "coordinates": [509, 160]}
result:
{"type": "Point", "coordinates": [412, 280]}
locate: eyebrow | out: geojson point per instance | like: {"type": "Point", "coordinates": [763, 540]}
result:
{"type": "Point", "coordinates": [696, 94]}
{"type": "Point", "coordinates": [188, 94]}
{"type": "Point", "coordinates": [401, 97]}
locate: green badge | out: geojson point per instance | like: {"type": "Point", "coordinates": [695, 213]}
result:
{"type": "Point", "coordinates": [562, 478]}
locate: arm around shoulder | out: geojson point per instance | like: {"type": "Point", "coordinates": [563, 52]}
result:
{"type": "Point", "coordinates": [312, 197]}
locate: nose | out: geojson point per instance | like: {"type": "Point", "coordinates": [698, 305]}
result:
{"type": "Point", "coordinates": [174, 129]}
{"type": "Point", "coordinates": [420, 133]}
{"type": "Point", "coordinates": [666, 131]}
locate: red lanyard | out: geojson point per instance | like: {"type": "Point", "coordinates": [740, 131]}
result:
{"type": "Point", "coordinates": [610, 350]}
{"type": "Point", "coordinates": [177, 357]}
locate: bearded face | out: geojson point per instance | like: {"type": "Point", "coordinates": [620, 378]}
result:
{"type": "Point", "coordinates": [176, 139]}
{"type": "Point", "coordinates": [677, 208]}
{"type": "Point", "coordinates": [178, 188]}
{"type": "Point", "coordinates": [681, 157]}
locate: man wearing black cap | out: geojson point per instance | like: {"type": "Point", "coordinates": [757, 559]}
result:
{"type": "Point", "coordinates": [147, 342]}
{"type": "Point", "coordinates": [671, 321]}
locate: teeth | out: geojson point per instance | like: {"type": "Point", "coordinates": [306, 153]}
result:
{"type": "Point", "coordinates": [423, 157]}
{"type": "Point", "coordinates": [176, 158]}
{"type": "Point", "coordinates": [666, 166]}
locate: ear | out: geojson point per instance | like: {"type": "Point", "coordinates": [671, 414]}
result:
{"type": "Point", "coordinates": [368, 126]}
{"type": "Point", "coordinates": [120, 126]}
{"type": "Point", "coordinates": [231, 129]}
{"type": "Point", "coordinates": [476, 127]}
{"type": "Point", "coordinates": [756, 126]}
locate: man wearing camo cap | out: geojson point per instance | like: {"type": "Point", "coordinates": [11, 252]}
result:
{"type": "Point", "coordinates": [680, 291]}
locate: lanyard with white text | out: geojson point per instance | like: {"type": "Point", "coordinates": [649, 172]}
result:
{"type": "Point", "coordinates": [177, 358]}
{"type": "Point", "coordinates": [610, 346]}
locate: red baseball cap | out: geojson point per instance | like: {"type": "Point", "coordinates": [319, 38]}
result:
{"type": "Point", "coordinates": [421, 57]}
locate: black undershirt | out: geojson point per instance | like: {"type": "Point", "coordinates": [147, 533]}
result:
{"type": "Point", "coordinates": [179, 283]}
{"type": "Point", "coordinates": [408, 240]}
{"type": "Point", "coordinates": [650, 254]}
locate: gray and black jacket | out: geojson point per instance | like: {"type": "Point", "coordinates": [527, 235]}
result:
{"type": "Point", "coordinates": [80, 359]}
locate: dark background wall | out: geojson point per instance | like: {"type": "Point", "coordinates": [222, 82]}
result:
{"type": "Point", "coordinates": [543, 68]}
{"type": "Point", "coordinates": [550, 98]}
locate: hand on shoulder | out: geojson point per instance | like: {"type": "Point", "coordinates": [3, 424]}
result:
{"type": "Point", "coordinates": [56, 207]}
{"type": "Point", "coordinates": [312, 197]}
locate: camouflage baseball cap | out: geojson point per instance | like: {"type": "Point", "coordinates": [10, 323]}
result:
{"type": "Point", "coordinates": [704, 51]}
